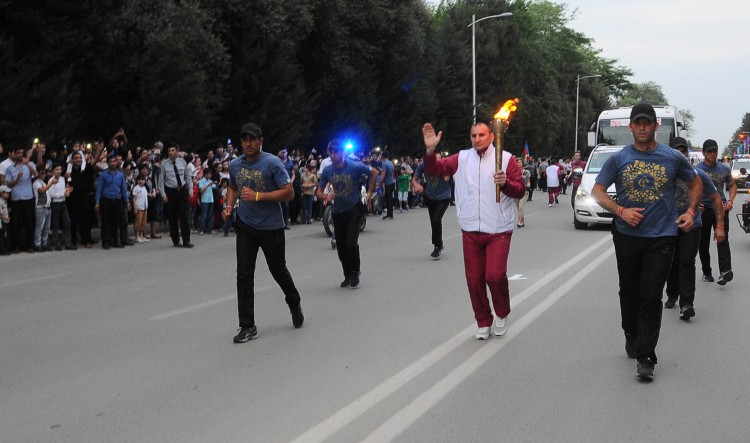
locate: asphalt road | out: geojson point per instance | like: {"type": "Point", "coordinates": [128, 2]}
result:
{"type": "Point", "coordinates": [135, 345]}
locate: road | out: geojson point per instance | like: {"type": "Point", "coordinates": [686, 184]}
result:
{"type": "Point", "coordinates": [135, 345]}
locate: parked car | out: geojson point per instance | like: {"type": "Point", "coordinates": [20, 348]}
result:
{"type": "Point", "coordinates": [740, 166]}
{"type": "Point", "coordinates": [585, 209]}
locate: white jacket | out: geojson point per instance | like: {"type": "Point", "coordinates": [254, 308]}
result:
{"type": "Point", "coordinates": [477, 210]}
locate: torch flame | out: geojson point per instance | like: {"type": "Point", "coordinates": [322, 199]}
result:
{"type": "Point", "coordinates": [506, 112]}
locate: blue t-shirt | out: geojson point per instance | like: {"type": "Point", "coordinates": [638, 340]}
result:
{"type": "Point", "coordinates": [208, 195]}
{"type": "Point", "coordinates": [682, 201]}
{"type": "Point", "coordinates": [388, 168]}
{"type": "Point", "coordinates": [720, 174]}
{"type": "Point", "coordinates": [265, 174]}
{"type": "Point", "coordinates": [435, 187]}
{"type": "Point", "coordinates": [345, 182]}
{"type": "Point", "coordinates": [22, 190]}
{"type": "Point", "coordinates": [647, 180]}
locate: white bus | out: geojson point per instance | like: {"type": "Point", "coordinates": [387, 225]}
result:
{"type": "Point", "coordinates": [612, 126]}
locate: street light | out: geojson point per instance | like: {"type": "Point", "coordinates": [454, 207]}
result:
{"type": "Point", "coordinates": [473, 23]}
{"type": "Point", "coordinates": [578, 88]}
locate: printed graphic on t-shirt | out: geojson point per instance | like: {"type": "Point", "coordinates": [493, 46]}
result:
{"type": "Point", "coordinates": [342, 185]}
{"type": "Point", "coordinates": [644, 181]}
{"type": "Point", "coordinates": [432, 182]}
{"type": "Point", "coordinates": [250, 178]}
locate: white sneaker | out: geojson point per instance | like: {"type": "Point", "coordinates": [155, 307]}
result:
{"type": "Point", "coordinates": [138, 240]}
{"type": "Point", "coordinates": [501, 327]}
{"type": "Point", "coordinates": [145, 239]}
{"type": "Point", "coordinates": [482, 333]}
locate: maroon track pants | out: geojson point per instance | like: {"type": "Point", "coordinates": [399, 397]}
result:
{"type": "Point", "coordinates": [486, 264]}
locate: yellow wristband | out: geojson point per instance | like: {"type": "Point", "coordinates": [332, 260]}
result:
{"type": "Point", "coordinates": [256, 196]}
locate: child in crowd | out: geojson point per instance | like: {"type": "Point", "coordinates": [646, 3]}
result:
{"type": "Point", "coordinates": [4, 220]}
{"type": "Point", "coordinates": [43, 211]}
{"type": "Point", "coordinates": [225, 224]}
{"type": "Point", "coordinates": [206, 187]}
{"type": "Point", "coordinates": [403, 190]}
{"type": "Point", "coordinates": [140, 208]}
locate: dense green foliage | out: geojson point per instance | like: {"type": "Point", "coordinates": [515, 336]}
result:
{"type": "Point", "coordinates": [192, 71]}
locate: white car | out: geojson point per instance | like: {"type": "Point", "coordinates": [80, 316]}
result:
{"type": "Point", "coordinates": [585, 209]}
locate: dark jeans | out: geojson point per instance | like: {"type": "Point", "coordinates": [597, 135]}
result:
{"type": "Point", "coordinates": [207, 217]}
{"type": "Point", "coordinates": [681, 280]}
{"type": "Point", "coordinates": [573, 197]}
{"type": "Point", "coordinates": [346, 227]}
{"type": "Point", "coordinates": [725, 255]}
{"type": "Point", "coordinates": [642, 266]}
{"type": "Point", "coordinates": [436, 209]}
{"type": "Point", "coordinates": [60, 222]}
{"type": "Point", "coordinates": [249, 240]}
{"type": "Point", "coordinates": [307, 203]}
{"type": "Point", "coordinates": [22, 223]}
{"type": "Point", "coordinates": [110, 213]}
{"type": "Point", "coordinates": [178, 211]}
{"type": "Point", "coordinates": [388, 194]}
{"type": "Point", "coordinates": [79, 210]}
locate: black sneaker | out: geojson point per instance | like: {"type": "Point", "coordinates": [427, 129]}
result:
{"type": "Point", "coordinates": [630, 348]}
{"type": "Point", "coordinates": [725, 277]}
{"type": "Point", "coordinates": [298, 317]}
{"type": "Point", "coordinates": [687, 312]}
{"type": "Point", "coordinates": [246, 334]}
{"type": "Point", "coordinates": [645, 369]}
{"type": "Point", "coordinates": [354, 281]}
{"type": "Point", "coordinates": [708, 277]}
{"type": "Point", "coordinates": [436, 253]}
{"type": "Point", "coordinates": [669, 304]}
{"type": "Point", "coordinates": [347, 281]}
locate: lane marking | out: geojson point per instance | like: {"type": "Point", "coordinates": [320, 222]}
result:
{"type": "Point", "coordinates": [404, 418]}
{"type": "Point", "coordinates": [217, 301]}
{"type": "Point", "coordinates": [517, 277]}
{"type": "Point", "coordinates": [34, 280]}
{"type": "Point", "coordinates": [352, 411]}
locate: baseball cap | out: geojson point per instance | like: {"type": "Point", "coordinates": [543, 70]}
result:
{"type": "Point", "coordinates": [643, 110]}
{"type": "Point", "coordinates": [678, 142]}
{"type": "Point", "coordinates": [710, 145]}
{"type": "Point", "coordinates": [252, 130]}
{"type": "Point", "coordinates": [159, 145]}
{"type": "Point", "coordinates": [4, 188]}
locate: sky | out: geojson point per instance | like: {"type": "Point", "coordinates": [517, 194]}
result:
{"type": "Point", "coordinates": [697, 51]}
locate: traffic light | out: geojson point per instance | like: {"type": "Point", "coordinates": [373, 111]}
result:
{"type": "Point", "coordinates": [742, 136]}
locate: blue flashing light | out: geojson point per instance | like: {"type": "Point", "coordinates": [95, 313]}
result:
{"type": "Point", "coordinates": [349, 146]}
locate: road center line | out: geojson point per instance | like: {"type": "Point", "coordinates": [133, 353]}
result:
{"type": "Point", "coordinates": [404, 418]}
{"type": "Point", "coordinates": [34, 280]}
{"type": "Point", "coordinates": [368, 400]}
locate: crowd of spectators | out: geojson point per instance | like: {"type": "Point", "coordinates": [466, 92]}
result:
{"type": "Point", "coordinates": [52, 198]}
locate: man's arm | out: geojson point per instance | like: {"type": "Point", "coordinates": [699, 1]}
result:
{"type": "Point", "coordinates": [720, 232]}
{"type": "Point", "coordinates": [631, 216]}
{"type": "Point", "coordinates": [732, 188]}
{"type": "Point", "coordinates": [514, 186]}
{"type": "Point", "coordinates": [231, 200]}
{"type": "Point", "coordinates": [160, 182]}
{"type": "Point", "coordinates": [695, 190]}
{"type": "Point", "coordinates": [283, 194]}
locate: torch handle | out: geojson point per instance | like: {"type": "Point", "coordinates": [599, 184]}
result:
{"type": "Point", "coordinates": [498, 127]}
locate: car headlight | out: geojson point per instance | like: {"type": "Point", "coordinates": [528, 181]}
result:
{"type": "Point", "coordinates": [581, 194]}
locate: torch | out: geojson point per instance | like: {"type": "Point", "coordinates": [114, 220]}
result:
{"type": "Point", "coordinates": [499, 126]}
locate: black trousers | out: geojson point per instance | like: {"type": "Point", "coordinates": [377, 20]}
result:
{"type": "Point", "coordinates": [436, 209]}
{"type": "Point", "coordinates": [681, 280]}
{"type": "Point", "coordinates": [388, 194]}
{"type": "Point", "coordinates": [22, 223]}
{"type": "Point", "coordinates": [725, 254]}
{"type": "Point", "coordinates": [346, 226]}
{"type": "Point", "coordinates": [110, 211]}
{"type": "Point", "coordinates": [573, 197]}
{"type": "Point", "coordinates": [178, 211]}
{"type": "Point", "coordinates": [79, 209]}
{"type": "Point", "coordinates": [59, 225]}
{"type": "Point", "coordinates": [642, 266]}
{"type": "Point", "coordinates": [249, 240]}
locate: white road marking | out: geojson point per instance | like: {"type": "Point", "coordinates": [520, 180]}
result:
{"type": "Point", "coordinates": [209, 303]}
{"type": "Point", "coordinates": [397, 424]}
{"type": "Point", "coordinates": [352, 411]}
{"type": "Point", "coordinates": [517, 277]}
{"type": "Point", "coordinates": [33, 280]}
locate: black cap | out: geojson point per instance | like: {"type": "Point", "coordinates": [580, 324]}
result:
{"type": "Point", "coordinates": [252, 130]}
{"type": "Point", "coordinates": [679, 142]}
{"type": "Point", "coordinates": [643, 110]}
{"type": "Point", "coordinates": [710, 145]}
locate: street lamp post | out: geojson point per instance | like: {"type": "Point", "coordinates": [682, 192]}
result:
{"type": "Point", "coordinates": [473, 23]}
{"type": "Point", "coordinates": [578, 89]}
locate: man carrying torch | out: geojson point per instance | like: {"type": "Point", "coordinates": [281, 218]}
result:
{"type": "Point", "coordinates": [486, 224]}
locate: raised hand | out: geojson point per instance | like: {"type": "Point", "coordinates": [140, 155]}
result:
{"type": "Point", "coordinates": [431, 139]}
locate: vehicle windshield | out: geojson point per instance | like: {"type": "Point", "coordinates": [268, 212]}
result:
{"type": "Point", "coordinates": [596, 161]}
{"type": "Point", "coordinates": [615, 131]}
{"type": "Point", "coordinates": [741, 163]}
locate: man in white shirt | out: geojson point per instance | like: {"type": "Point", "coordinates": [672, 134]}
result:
{"type": "Point", "coordinates": [57, 194]}
{"type": "Point", "coordinates": [553, 172]}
